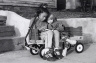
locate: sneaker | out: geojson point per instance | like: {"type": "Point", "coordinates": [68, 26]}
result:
{"type": "Point", "coordinates": [49, 55]}
{"type": "Point", "coordinates": [64, 52]}
{"type": "Point", "coordinates": [44, 53]}
{"type": "Point", "coordinates": [57, 54]}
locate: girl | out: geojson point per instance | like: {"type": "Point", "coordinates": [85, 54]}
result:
{"type": "Point", "coordinates": [40, 23]}
{"type": "Point", "coordinates": [56, 27]}
{"type": "Point", "coordinates": [52, 26]}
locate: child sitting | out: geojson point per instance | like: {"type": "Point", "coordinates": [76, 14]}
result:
{"type": "Point", "coordinates": [56, 27]}
{"type": "Point", "coordinates": [53, 24]}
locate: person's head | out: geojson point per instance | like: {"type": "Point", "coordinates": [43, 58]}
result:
{"type": "Point", "coordinates": [51, 19]}
{"type": "Point", "coordinates": [42, 13]}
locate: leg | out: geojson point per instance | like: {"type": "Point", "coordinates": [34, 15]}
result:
{"type": "Point", "coordinates": [57, 47]}
{"type": "Point", "coordinates": [48, 35]}
{"type": "Point", "coordinates": [64, 52]}
{"type": "Point", "coordinates": [57, 38]}
{"type": "Point", "coordinates": [49, 38]}
{"type": "Point", "coordinates": [72, 42]}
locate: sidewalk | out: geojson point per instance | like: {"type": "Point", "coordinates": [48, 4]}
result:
{"type": "Point", "coordinates": [24, 56]}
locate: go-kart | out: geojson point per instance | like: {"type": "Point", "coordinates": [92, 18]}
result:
{"type": "Point", "coordinates": [37, 45]}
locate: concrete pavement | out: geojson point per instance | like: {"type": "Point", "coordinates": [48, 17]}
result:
{"type": "Point", "coordinates": [24, 56]}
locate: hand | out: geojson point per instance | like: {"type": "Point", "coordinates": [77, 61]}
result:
{"type": "Point", "coordinates": [42, 28]}
{"type": "Point", "coordinates": [46, 29]}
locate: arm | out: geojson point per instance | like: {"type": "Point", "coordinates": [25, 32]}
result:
{"type": "Point", "coordinates": [33, 22]}
{"type": "Point", "coordinates": [42, 26]}
{"type": "Point", "coordinates": [60, 27]}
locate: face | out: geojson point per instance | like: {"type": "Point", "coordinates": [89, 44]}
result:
{"type": "Point", "coordinates": [50, 19]}
{"type": "Point", "coordinates": [42, 16]}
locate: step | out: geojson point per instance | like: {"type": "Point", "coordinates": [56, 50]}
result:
{"type": "Point", "coordinates": [11, 44]}
{"type": "Point", "coordinates": [6, 28]}
{"type": "Point", "coordinates": [3, 20]}
{"type": "Point", "coordinates": [7, 31]}
{"type": "Point", "coordinates": [7, 34]}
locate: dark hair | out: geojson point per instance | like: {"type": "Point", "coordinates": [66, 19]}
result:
{"type": "Point", "coordinates": [54, 19]}
{"type": "Point", "coordinates": [42, 8]}
{"type": "Point", "coordinates": [43, 5]}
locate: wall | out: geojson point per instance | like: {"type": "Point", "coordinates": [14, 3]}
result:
{"type": "Point", "coordinates": [21, 24]}
{"type": "Point", "coordinates": [88, 24]}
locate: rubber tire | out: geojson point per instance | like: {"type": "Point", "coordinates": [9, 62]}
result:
{"type": "Point", "coordinates": [31, 50]}
{"type": "Point", "coordinates": [69, 47]}
{"type": "Point", "coordinates": [40, 52]}
{"type": "Point", "coordinates": [78, 45]}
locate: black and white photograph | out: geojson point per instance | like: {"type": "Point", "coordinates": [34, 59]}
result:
{"type": "Point", "coordinates": [48, 31]}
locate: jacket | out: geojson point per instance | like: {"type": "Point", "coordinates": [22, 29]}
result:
{"type": "Point", "coordinates": [41, 26]}
{"type": "Point", "coordinates": [56, 26]}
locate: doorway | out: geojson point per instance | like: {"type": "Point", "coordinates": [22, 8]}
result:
{"type": "Point", "coordinates": [61, 4]}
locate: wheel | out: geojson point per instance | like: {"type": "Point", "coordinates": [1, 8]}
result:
{"type": "Point", "coordinates": [41, 51]}
{"type": "Point", "coordinates": [33, 51]}
{"type": "Point", "coordinates": [69, 47]}
{"type": "Point", "coordinates": [79, 47]}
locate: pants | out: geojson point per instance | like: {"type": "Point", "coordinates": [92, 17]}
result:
{"type": "Point", "coordinates": [48, 36]}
